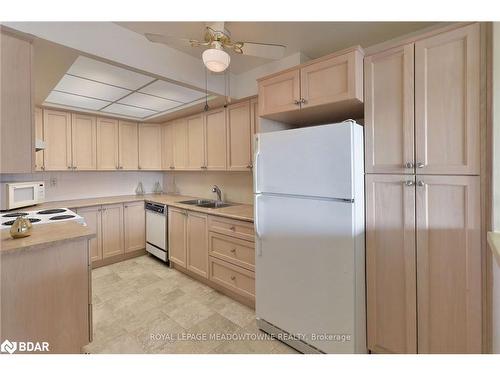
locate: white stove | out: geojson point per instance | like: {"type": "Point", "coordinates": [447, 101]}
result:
{"type": "Point", "coordinates": [53, 215]}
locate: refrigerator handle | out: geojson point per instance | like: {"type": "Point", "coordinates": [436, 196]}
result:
{"type": "Point", "coordinates": [256, 164]}
{"type": "Point", "coordinates": [256, 224]}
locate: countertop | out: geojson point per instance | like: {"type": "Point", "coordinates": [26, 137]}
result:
{"type": "Point", "coordinates": [43, 235]}
{"type": "Point", "coordinates": [237, 211]}
{"type": "Point", "coordinates": [494, 242]}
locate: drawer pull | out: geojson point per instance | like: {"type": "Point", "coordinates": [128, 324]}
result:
{"type": "Point", "coordinates": [233, 250]}
{"type": "Point", "coordinates": [233, 277]}
{"type": "Point", "coordinates": [233, 228]}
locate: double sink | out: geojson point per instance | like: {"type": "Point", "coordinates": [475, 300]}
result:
{"type": "Point", "coordinates": [207, 203]}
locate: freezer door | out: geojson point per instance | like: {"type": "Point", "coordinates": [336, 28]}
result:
{"type": "Point", "coordinates": [315, 161]}
{"type": "Point", "coordinates": [305, 269]}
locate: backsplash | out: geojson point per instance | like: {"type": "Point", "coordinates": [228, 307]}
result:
{"type": "Point", "coordinates": [235, 186]}
{"type": "Point", "coordinates": [77, 185]}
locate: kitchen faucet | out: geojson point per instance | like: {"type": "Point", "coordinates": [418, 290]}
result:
{"type": "Point", "coordinates": [217, 190]}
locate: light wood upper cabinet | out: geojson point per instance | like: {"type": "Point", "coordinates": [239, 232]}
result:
{"type": "Point", "coordinates": [107, 144]}
{"type": "Point", "coordinates": [39, 166]}
{"type": "Point", "coordinates": [447, 92]}
{"type": "Point", "coordinates": [239, 134]}
{"type": "Point", "coordinates": [196, 142]}
{"type": "Point", "coordinates": [92, 216]}
{"type": "Point", "coordinates": [254, 123]}
{"type": "Point", "coordinates": [197, 243]}
{"type": "Point", "coordinates": [331, 80]}
{"type": "Point", "coordinates": [16, 126]}
{"type": "Point", "coordinates": [280, 93]}
{"type": "Point", "coordinates": [449, 264]}
{"type": "Point", "coordinates": [177, 229]}
{"type": "Point", "coordinates": [389, 111]}
{"type": "Point", "coordinates": [83, 142]}
{"type": "Point", "coordinates": [215, 139]}
{"type": "Point", "coordinates": [134, 226]}
{"type": "Point", "coordinates": [167, 148]}
{"type": "Point", "coordinates": [57, 136]}
{"type": "Point", "coordinates": [112, 230]}
{"type": "Point", "coordinates": [391, 264]}
{"type": "Point", "coordinates": [150, 146]}
{"type": "Point", "coordinates": [180, 136]}
{"type": "Point", "coordinates": [128, 147]}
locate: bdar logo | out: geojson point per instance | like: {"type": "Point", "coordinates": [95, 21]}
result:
{"type": "Point", "coordinates": [8, 347]}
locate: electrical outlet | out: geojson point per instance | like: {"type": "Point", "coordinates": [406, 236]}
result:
{"type": "Point", "coordinates": [53, 181]}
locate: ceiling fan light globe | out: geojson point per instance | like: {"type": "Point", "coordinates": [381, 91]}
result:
{"type": "Point", "coordinates": [216, 60]}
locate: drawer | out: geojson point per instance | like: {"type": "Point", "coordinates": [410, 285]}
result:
{"type": "Point", "coordinates": [234, 228]}
{"type": "Point", "coordinates": [233, 250]}
{"type": "Point", "coordinates": [237, 279]}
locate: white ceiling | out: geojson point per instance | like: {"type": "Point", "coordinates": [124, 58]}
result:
{"type": "Point", "coordinates": [314, 39]}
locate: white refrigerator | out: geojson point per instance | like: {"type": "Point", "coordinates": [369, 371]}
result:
{"type": "Point", "coordinates": [309, 223]}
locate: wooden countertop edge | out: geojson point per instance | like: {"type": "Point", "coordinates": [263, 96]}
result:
{"type": "Point", "coordinates": [44, 235]}
{"type": "Point", "coordinates": [494, 242]}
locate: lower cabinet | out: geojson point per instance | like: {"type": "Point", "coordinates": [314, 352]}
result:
{"type": "Point", "coordinates": [134, 225]}
{"type": "Point", "coordinates": [112, 230]}
{"type": "Point", "coordinates": [93, 218]}
{"type": "Point", "coordinates": [177, 223]}
{"type": "Point", "coordinates": [423, 264]}
{"type": "Point", "coordinates": [197, 243]}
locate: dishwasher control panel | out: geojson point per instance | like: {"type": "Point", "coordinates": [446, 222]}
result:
{"type": "Point", "coordinates": [156, 207]}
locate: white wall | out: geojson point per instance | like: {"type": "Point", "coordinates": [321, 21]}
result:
{"type": "Point", "coordinates": [496, 181]}
{"type": "Point", "coordinates": [76, 185]}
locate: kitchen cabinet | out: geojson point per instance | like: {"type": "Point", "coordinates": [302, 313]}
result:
{"type": "Point", "coordinates": [93, 219]}
{"type": "Point", "coordinates": [38, 112]}
{"type": "Point", "coordinates": [447, 107]}
{"type": "Point", "coordinates": [128, 145]}
{"type": "Point", "coordinates": [449, 264]}
{"type": "Point", "coordinates": [180, 136]}
{"type": "Point", "coordinates": [134, 226]}
{"type": "Point", "coordinates": [177, 229]}
{"type": "Point", "coordinates": [389, 111]}
{"type": "Point", "coordinates": [391, 264]}
{"type": "Point", "coordinates": [326, 89]}
{"type": "Point", "coordinates": [233, 250]}
{"type": "Point", "coordinates": [150, 146]}
{"type": "Point", "coordinates": [197, 243]}
{"type": "Point", "coordinates": [107, 144]}
{"type": "Point", "coordinates": [215, 139]}
{"type": "Point", "coordinates": [167, 147]}
{"type": "Point", "coordinates": [196, 142]}
{"type": "Point", "coordinates": [254, 123]}
{"type": "Point", "coordinates": [16, 117]}
{"type": "Point", "coordinates": [83, 142]}
{"type": "Point", "coordinates": [57, 136]}
{"type": "Point", "coordinates": [239, 135]}
{"type": "Point", "coordinates": [236, 279]}
{"type": "Point", "coordinates": [112, 230]}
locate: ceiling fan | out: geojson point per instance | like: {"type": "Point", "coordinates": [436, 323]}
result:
{"type": "Point", "coordinates": [218, 39]}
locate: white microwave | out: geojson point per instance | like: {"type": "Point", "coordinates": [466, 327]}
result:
{"type": "Point", "coordinates": [21, 194]}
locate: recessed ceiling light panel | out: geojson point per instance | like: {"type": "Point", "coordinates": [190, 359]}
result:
{"type": "Point", "coordinates": [149, 102]}
{"type": "Point", "coordinates": [171, 91]}
{"type": "Point", "coordinates": [77, 101]}
{"type": "Point", "coordinates": [91, 89]}
{"type": "Point", "coordinates": [125, 110]}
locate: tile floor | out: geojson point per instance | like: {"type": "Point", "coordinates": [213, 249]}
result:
{"type": "Point", "coordinates": [142, 306]}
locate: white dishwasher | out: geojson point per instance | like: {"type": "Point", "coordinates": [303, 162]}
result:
{"type": "Point", "coordinates": [157, 230]}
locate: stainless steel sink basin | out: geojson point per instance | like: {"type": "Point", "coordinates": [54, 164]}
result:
{"type": "Point", "coordinates": [197, 202]}
{"type": "Point", "coordinates": [206, 203]}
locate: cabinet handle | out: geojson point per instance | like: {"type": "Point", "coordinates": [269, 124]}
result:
{"type": "Point", "coordinates": [249, 166]}
{"type": "Point", "coordinates": [296, 102]}
{"type": "Point", "coordinates": [420, 183]}
{"type": "Point", "coordinates": [139, 167]}
{"type": "Point", "coordinates": [233, 228]}
{"type": "Point", "coordinates": [420, 165]}
{"type": "Point", "coordinates": [303, 101]}
{"type": "Point", "coordinates": [43, 167]}
{"type": "Point", "coordinates": [69, 166]}
{"type": "Point", "coordinates": [233, 250]}
{"type": "Point", "coordinates": [409, 165]}
{"type": "Point", "coordinates": [409, 183]}
{"type": "Point", "coordinates": [74, 168]}
{"type": "Point", "coordinates": [172, 167]}
{"type": "Point", "coordinates": [233, 277]}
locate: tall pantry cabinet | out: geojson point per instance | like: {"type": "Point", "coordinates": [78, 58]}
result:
{"type": "Point", "coordinates": [422, 153]}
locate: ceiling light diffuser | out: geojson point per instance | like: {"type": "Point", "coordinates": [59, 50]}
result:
{"type": "Point", "coordinates": [216, 59]}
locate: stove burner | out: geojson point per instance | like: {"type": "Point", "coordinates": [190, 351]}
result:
{"type": "Point", "coordinates": [31, 219]}
{"type": "Point", "coordinates": [51, 211]}
{"type": "Point", "coordinates": [15, 214]}
{"type": "Point", "coordinates": [61, 217]}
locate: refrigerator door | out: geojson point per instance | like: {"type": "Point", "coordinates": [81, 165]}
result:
{"type": "Point", "coordinates": [315, 161]}
{"type": "Point", "coordinates": [305, 269]}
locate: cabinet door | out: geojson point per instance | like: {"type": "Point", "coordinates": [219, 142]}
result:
{"type": "Point", "coordinates": [332, 80]}
{"type": "Point", "coordinates": [107, 144]}
{"type": "Point", "coordinates": [57, 133]}
{"type": "Point", "coordinates": [391, 264]}
{"type": "Point", "coordinates": [215, 140]}
{"type": "Point", "coordinates": [180, 144]}
{"type": "Point", "coordinates": [83, 141]}
{"type": "Point", "coordinates": [239, 134]}
{"type": "Point", "coordinates": [448, 264]}
{"type": "Point", "coordinates": [112, 230]}
{"type": "Point", "coordinates": [280, 93]}
{"type": "Point", "coordinates": [134, 226]}
{"type": "Point", "coordinates": [197, 243]}
{"type": "Point", "coordinates": [39, 136]}
{"type": "Point", "coordinates": [196, 142]}
{"type": "Point", "coordinates": [92, 216]}
{"type": "Point", "coordinates": [447, 91]}
{"type": "Point", "coordinates": [167, 148]}
{"type": "Point", "coordinates": [254, 123]}
{"type": "Point", "coordinates": [389, 111]}
{"type": "Point", "coordinates": [150, 146]}
{"type": "Point", "coordinates": [177, 221]}
{"type": "Point", "coordinates": [128, 147]}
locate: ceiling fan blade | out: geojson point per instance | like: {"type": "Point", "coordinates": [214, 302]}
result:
{"type": "Point", "coordinates": [265, 50]}
{"type": "Point", "coordinates": [169, 40]}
